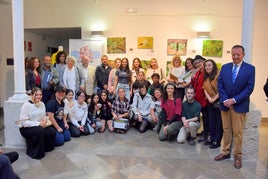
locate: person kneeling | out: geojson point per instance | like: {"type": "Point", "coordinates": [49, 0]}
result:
{"type": "Point", "coordinates": [190, 117]}
{"type": "Point", "coordinates": [141, 108]}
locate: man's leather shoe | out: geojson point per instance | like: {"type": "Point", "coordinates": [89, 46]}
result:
{"type": "Point", "coordinates": [237, 163]}
{"type": "Point", "coordinates": [222, 157]}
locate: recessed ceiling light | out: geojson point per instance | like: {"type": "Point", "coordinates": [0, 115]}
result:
{"type": "Point", "coordinates": [131, 10]}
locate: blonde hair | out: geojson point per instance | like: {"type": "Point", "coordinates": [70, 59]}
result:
{"type": "Point", "coordinates": [155, 61]}
{"type": "Point", "coordinates": [70, 58]}
{"type": "Point", "coordinates": [176, 57]}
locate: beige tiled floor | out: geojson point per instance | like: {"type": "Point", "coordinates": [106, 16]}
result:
{"type": "Point", "coordinates": [136, 155]}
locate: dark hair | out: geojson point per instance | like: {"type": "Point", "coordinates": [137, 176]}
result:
{"type": "Point", "coordinates": [129, 74]}
{"type": "Point", "coordinates": [92, 104]}
{"type": "Point", "coordinates": [165, 95]}
{"type": "Point", "coordinates": [58, 56]}
{"type": "Point", "coordinates": [155, 75]}
{"type": "Point", "coordinates": [81, 92]}
{"type": "Point", "coordinates": [189, 87]}
{"type": "Point", "coordinates": [214, 72]}
{"type": "Point", "coordinates": [136, 58]}
{"type": "Point", "coordinates": [188, 59]}
{"type": "Point", "coordinates": [239, 46]}
{"type": "Point", "coordinates": [103, 91]}
{"type": "Point", "coordinates": [156, 89]}
{"type": "Point", "coordinates": [69, 91]}
{"type": "Point", "coordinates": [143, 84]}
{"type": "Point", "coordinates": [31, 64]}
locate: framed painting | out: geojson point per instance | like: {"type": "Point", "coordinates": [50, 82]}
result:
{"type": "Point", "coordinates": [90, 48]}
{"type": "Point", "coordinates": [116, 45]}
{"type": "Point", "coordinates": [145, 42]}
{"type": "Point", "coordinates": [212, 48]}
{"type": "Point", "coordinates": [177, 46]}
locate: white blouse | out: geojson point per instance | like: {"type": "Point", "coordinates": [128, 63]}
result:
{"type": "Point", "coordinates": [32, 114]}
{"type": "Point", "coordinates": [178, 72]}
{"type": "Point", "coordinates": [68, 106]}
{"type": "Point", "coordinates": [78, 113]}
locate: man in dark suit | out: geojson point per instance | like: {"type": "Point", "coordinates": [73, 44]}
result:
{"type": "Point", "coordinates": [235, 83]}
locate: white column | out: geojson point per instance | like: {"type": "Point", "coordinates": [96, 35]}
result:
{"type": "Point", "coordinates": [18, 51]}
{"type": "Point", "coordinates": [12, 107]}
{"type": "Point", "coordinates": [248, 28]}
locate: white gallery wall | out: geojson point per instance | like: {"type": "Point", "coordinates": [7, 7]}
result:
{"type": "Point", "coordinates": [178, 19]}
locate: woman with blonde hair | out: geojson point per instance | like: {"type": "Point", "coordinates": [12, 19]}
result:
{"type": "Point", "coordinates": [73, 77]}
{"type": "Point", "coordinates": [176, 74]}
{"type": "Point", "coordinates": [154, 68]}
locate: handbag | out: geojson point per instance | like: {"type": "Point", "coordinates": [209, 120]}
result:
{"type": "Point", "coordinates": [48, 123]}
{"type": "Point", "coordinates": [19, 122]}
{"type": "Point", "coordinates": [216, 104]}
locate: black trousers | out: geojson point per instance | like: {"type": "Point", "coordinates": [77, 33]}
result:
{"type": "Point", "coordinates": [13, 156]}
{"type": "Point", "coordinates": [38, 140]}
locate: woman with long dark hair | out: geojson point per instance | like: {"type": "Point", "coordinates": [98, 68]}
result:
{"type": "Point", "coordinates": [33, 75]}
{"type": "Point", "coordinates": [171, 113]}
{"type": "Point", "coordinates": [212, 94]}
{"type": "Point", "coordinates": [123, 78]}
{"type": "Point", "coordinates": [60, 65]}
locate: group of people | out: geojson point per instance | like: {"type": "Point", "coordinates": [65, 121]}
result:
{"type": "Point", "coordinates": [82, 100]}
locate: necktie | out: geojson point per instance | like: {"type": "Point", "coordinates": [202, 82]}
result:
{"type": "Point", "coordinates": [234, 73]}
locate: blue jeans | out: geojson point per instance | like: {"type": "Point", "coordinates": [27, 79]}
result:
{"type": "Point", "coordinates": [62, 137]}
{"type": "Point", "coordinates": [91, 129]}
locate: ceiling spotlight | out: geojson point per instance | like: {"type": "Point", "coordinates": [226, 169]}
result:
{"type": "Point", "coordinates": [131, 10]}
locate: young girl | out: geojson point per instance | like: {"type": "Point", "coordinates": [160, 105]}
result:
{"type": "Point", "coordinates": [136, 68]}
{"type": "Point", "coordinates": [94, 122]}
{"type": "Point", "coordinates": [78, 116]}
{"type": "Point", "coordinates": [120, 108]}
{"type": "Point", "coordinates": [155, 109]}
{"type": "Point", "coordinates": [105, 112]}
{"type": "Point", "coordinates": [68, 103]}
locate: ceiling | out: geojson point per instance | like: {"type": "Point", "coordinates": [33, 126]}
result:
{"type": "Point", "coordinates": [57, 33]}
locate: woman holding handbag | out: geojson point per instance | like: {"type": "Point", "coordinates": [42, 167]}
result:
{"type": "Point", "coordinates": [211, 92]}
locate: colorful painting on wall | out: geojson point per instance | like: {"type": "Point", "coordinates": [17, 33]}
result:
{"type": "Point", "coordinates": [111, 63]}
{"type": "Point", "coordinates": [177, 46]}
{"type": "Point", "coordinates": [116, 45]}
{"type": "Point", "coordinates": [90, 48]}
{"type": "Point", "coordinates": [212, 48]}
{"type": "Point", "coordinates": [145, 42]}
